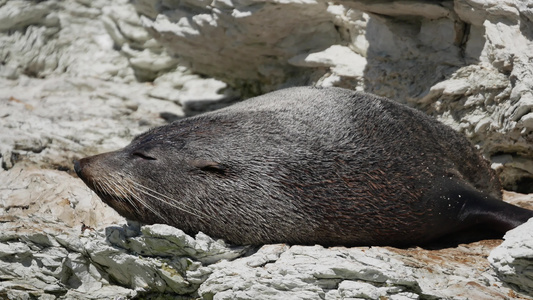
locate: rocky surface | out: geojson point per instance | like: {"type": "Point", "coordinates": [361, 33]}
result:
{"type": "Point", "coordinates": [82, 77]}
{"type": "Point", "coordinates": [512, 259]}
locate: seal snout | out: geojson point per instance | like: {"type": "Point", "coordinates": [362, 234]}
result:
{"type": "Point", "coordinates": [80, 166]}
{"type": "Point", "coordinates": [85, 168]}
{"type": "Point", "coordinates": [90, 167]}
{"type": "Point", "coordinates": [77, 168]}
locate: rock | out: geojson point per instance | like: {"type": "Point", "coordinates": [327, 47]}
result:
{"type": "Point", "coordinates": [166, 241]}
{"type": "Point", "coordinates": [243, 43]}
{"type": "Point", "coordinates": [54, 194]}
{"type": "Point", "coordinates": [192, 92]}
{"type": "Point", "coordinates": [368, 273]}
{"type": "Point", "coordinates": [60, 130]}
{"type": "Point", "coordinates": [342, 61]}
{"type": "Point", "coordinates": [513, 259]}
{"type": "Point", "coordinates": [15, 15]}
{"type": "Point", "coordinates": [404, 8]}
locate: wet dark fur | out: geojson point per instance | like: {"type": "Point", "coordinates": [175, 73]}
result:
{"type": "Point", "coordinates": [305, 166]}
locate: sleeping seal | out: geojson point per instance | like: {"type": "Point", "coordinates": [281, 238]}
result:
{"type": "Point", "coordinates": [305, 165]}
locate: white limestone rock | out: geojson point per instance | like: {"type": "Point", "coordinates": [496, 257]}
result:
{"type": "Point", "coordinates": [342, 61]}
{"type": "Point", "coordinates": [33, 263]}
{"type": "Point", "coordinates": [55, 129]}
{"type": "Point", "coordinates": [240, 42]}
{"type": "Point", "coordinates": [513, 259]}
{"type": "Point", "coordinates": [166, 241]}
{"type": "Point", "coordinates": [314, 272]}
{"type": "Point", "coordinates": [28, 192]}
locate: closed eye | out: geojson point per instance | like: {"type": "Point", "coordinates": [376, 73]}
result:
{"type": "Point", "coordinates": [143, 156]}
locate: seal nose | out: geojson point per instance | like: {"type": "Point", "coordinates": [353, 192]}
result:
{"type": "Point", "coordinates": [77, 168]}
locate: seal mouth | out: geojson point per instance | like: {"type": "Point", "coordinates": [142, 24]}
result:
{"type": "Point", "coordinates": [126, 207]}
{"type": "Point", "coordinates": [111, 194]}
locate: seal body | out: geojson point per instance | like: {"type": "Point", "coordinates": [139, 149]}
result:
{"type": "Point", "coordinates": [305, 166]}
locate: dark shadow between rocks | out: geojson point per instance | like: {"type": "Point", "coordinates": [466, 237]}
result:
{"type": "Point", "coordinates": [526, 25]}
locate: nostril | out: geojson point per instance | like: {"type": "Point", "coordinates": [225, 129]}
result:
{"type": "Point", "coordinates": [77, 167]}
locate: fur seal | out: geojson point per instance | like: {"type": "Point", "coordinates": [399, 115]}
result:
{"type": "Point", "coordinates": [305, 165]}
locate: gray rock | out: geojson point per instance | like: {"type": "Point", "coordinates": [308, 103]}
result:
{"type": "Point", "coordinates": [513, 259]}
{"type": "Point", "coordinates": [244, 43]}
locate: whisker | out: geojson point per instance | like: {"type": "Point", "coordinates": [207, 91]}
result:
{"type": "Point", "coordinates": [120, 187]}
{"type": "Point", "coordinates": [98, 186]}
{"type": "Point", "coordinates": [106, 186]}
{"type": "Point", "coordinates": [187, 210]}
{"type": "Point", "coordinates": [149, 192]}
{"type": "Point", "coordinates": [133, 194]}
{"type": "Point", "coordinates": [150, 208]}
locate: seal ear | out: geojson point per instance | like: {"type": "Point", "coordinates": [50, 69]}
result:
{"type": "Point", "coordinates": [209, 166]}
